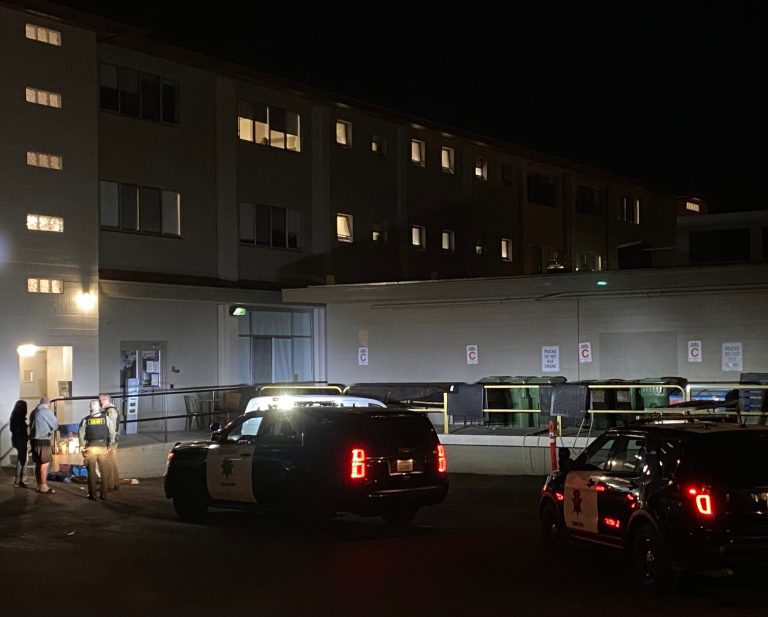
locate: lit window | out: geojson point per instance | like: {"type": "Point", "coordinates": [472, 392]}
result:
{"type": "Point", "coordinates": [377, 235]}
{"type": "Point", "coordinates": [418, 236]}
{"type": "Point", "coordinates": [447, 240]}
{"type": "Point", "coordinates": [446, 159]}
{"type": "Point", "coordinates": [479, 249]}
{"type": "Point", "coordinates": [45, 286]}
{"type": "Point", "coordinates": [42, 222]}
{"type": "Point", "coordinates": [43, 35]}
{"type": "Point", "coordinates": [417, 152]}
{"type": "Point", "coordinates": [506, 249]}
{"type": "Point", "coordinates": [377, 145]}
{"type": "Point", "coordinates": [692, 206]}
{"type": "Point", "coordinates": [269, 126]}
{"type": "Point", "coordinates": [344, 227]}
{"type": "Point", "coordinates": [43, 97]}
{"type": "Point", "coordinates": [629, 210]}
{"type": "Point", "coordinates": [344, 133]}
{"type": "Point", "coordinates": [47, 161]}
{"type": "Point", "coordinates": [481, 168]}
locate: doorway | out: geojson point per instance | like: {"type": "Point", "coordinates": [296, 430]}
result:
{"type": "Point", "coordinates": [47, 371]}
{"type": "Point", "coordinates": [142, 370]}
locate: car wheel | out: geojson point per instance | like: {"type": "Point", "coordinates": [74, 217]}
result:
{"type": "Point", "coordinates": [400, 516]}
{"type": "Point", "coordinates": [651, 568]}
{"type": "Point", "coordinates": [190, 507]}
{"type": "Point", "coordinates": [552, 531]}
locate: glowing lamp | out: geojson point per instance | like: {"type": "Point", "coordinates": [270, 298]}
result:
{"type": "Point", "coordinates": [85, 300]}
{"type": "Point", "coordinates": [27, 351]}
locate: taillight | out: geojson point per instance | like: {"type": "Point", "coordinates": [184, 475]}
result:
{"type": "Point", "coordinates": [702, 500]}
{"type": "Point", "coordinates": [357, 468]}
{"type": "Point", "coordinates": [442, 461]}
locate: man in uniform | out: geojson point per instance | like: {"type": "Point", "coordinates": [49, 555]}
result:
{"type": "Point", "coordinates": [96, 433]}
{"type": "Point", "coordinates": [113, 417]}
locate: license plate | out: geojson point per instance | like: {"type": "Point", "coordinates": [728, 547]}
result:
{"type": "Point", "coordinates": [405, 466]}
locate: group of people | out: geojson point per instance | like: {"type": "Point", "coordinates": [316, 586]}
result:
{"type": "Point", "coordinates": [98, 443]}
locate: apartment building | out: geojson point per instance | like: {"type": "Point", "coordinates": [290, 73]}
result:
{"type": "Point", "coordinates": [148, 191]}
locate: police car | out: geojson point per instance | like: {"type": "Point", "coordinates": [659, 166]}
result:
{"type": "Point", "coordinates": [317, 460]}
{"type": "Point", "coordinates": [689, 495]}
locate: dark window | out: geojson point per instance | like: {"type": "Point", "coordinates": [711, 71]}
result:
{"type": "Point", "coordinates": [269, 226]}
{"type": "Point", "coordinates": [628, 456]}
{"type": "Point", "coordinates": [596, 457]}
{"type": "Point", "coordinates": [587, 201]}
{"type": "Point", "coordinates": [133, 208]}
{"type": "Point", "coordinates": [508, 174]}
{"type": "Point", "coordinates": [142, 96]}
{"type": "Point", "coordinates": [542, 190]}
{"type": "Point", "coordinates": [720, 245]}
{"type": "Point", "coordinates": [629, 210]}
{"type": "Point", "coordinates": [149, 210]}
{"type": "Point", "coordinates": [129, 207]}
{"type": "Point", "coordinates": [669, 454]}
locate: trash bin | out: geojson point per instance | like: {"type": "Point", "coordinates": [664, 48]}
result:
{"type": "Point", "coordinates": [658, 395]}
{"type": "Point", "coordinates": [543, 417]}
{"type": "Point", "coordinates": [502, 398]}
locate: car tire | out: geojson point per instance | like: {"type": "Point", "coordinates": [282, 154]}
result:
{"type": "Point", "coordinates": [400, 516]}
{"type": "Point", "coordinates": [552, 529]}
{"type": "Point", "coordinates": [190, 507]}
{"type": "Point", "coordinates": [651, 567]}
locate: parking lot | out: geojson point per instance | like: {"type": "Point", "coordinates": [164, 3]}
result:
{"type": "Point", "coordinates": [475, 554]}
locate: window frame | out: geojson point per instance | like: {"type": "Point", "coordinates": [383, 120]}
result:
{"type": "Point", "coordinates": [451, 152]}
{"type": "Point", "coordinates": [166, 117]}
{"type": "Point", "coordinates": [421, 230]}
{"type": "Point", "coordinates": [421, 148]}
{"type": "Point", "coordinates": [346, 125]}
{"type": "Point", "coordinates": [451, 236]}
{"type": "Point", "coordinates": [481, 165]}
{"type": "Point", "coordinates": [123, 188]}
{"type": "Point", "coordinates": [349, 221]}
{"type": "Point", "coordinates": [506, 242]}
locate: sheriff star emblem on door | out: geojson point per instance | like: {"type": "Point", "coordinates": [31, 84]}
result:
{"type": "Point", "coordinates": [226, 468]}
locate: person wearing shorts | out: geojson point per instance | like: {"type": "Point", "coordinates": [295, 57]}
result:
{"type": "Point", "coordinates": [42, 424]}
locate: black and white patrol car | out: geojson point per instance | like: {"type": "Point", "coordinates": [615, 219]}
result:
{"type": "Point", "coordinates": [683, 496]}
{"type": "Point", "coordinates": [313, 459]}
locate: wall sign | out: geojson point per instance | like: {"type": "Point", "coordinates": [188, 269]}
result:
{"type": "Point", "coordinates": [585, 353]}
{"type": "Point", "coordinates": [550, 359]}
{"type": "Point", "coordinates": [471, 354]}
{"type": "Point", "coordinates": [694, 351]}
{"type": "Point", "coordinates": [362, 356]}
{"type": "Point", "coordinates": [732, 357]}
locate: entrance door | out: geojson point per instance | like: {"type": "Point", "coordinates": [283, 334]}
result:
{"type": "Point", "coordinates": [143, 361]}
{"type": "Point", "coordinates": [47, 371]}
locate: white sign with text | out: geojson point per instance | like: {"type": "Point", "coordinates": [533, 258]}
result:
{"type": "Point", "coordinates": [550, 359]}
{"type": "Point", "coordinates": [362, 356]}
{"type": "Point", "coordinates": [694, 351]}
{"type": "Point", "coordinates": [471, 354]}
{"type": "Point", "coordinates": [585, 353]}
{"type": "Point", "coordinates": [732, 357]}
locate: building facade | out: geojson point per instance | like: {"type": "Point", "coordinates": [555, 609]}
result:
{"type": "Point", "coordinates": [148, 190]}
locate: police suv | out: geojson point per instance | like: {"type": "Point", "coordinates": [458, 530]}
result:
{"type": "Point", "coordinates": [313, 459]}
{"type": "Point", "coordinates": [675, 496]}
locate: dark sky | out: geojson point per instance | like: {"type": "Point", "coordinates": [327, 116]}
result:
{"type": "Point", "coordinates": [671, 92]}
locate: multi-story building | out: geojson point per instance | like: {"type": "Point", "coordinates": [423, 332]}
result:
{"type": "Point", "coordinates": [147, 190]}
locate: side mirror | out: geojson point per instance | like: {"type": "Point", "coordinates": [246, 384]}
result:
{"type": "Point", "coordinates": [564, 459]}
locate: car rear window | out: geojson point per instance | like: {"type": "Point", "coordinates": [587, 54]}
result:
{"type": "Point", "coordinates": [739, 457]}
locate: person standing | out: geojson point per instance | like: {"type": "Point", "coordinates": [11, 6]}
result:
{"type": "Point", "coordinates": [42, 423]}
{"type": "Point", "coordinates": [96, 433]}
{"type": "Point", "coordinates": [19, 440]}
{"type": "Point", "coordinates": [105, 400]}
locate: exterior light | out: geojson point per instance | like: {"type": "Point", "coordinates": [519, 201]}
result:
{"type": "Point", "coordinates": [602, 283]}
{"type": "Point", "coordinates": [27, 351]}
{"type": "Point", "coordinates": [85, 300]}
{"type": "Point", "coordinates": [238, 311]}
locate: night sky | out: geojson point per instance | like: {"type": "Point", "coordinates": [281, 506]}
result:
{"type": "Point", "coordinates": [672, 93]}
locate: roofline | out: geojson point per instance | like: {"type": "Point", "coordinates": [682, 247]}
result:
{"type": "Point", "coordinates": [140, 40]}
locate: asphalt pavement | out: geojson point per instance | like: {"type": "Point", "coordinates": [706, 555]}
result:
{"type": "Point", "coordinates": [476, 554]}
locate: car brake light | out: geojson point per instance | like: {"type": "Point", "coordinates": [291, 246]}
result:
{"type": "Point", "coordinates": [703, 500]}
{"type": "Point", "coordinates": [442, 461]}
{"type": "Point", "coordinates": [357, 470]}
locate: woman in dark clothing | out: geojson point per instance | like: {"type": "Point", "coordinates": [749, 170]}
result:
{"type": "Point", "coordinates": [19, 440]}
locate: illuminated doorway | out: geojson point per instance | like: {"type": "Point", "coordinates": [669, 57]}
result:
{"type": "Point", "coordinates": [47, 371]}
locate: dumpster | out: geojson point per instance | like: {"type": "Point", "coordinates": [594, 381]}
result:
{"type": "Point", "coordinates": [657, 395]}
{"type": "Point", "coordinates": [543, 417]}
{"type": "Point", "coordinates": [512, 398]}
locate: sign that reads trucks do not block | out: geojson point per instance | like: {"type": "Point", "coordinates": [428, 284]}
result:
{"type": "Point", "coordinates": [732, 357]}
{"type": "Point", "coordinates": [550, 359]}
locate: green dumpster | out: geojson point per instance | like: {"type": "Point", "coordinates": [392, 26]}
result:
{"type": "Point", "coordinates": [656, 394]}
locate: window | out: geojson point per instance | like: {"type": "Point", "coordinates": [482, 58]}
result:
{"type": "Point", "coordinates": [267, 125]}
{"type": "Point", "coordinates": [377, 145]}
{"type": "Point", "coordinates": [344, 133]}
{"type": "Point", "coordinates": [269, 226]}
{"type": "Point", "coordinates": [379, 234]}
{"type": "Point", "coordinates": [629, 210]}
{"type": "Point", "coordinates": [628, 456]}
{"type": "Point", "coordinates": [587, 201]}
{"type": "Point", "coordinates": [446, 159]}
{"type": "Point", "coordinates": [596, 456]}
{"type": "Point", "coordinates": [344, 227]}
{"type": "Point", "coordinates": [42, 222]}
{"type": "Point", "coordinates": [508, 175]}
{"type": "Point", "coordinates": [481, 168]}
{"type": "Point", "coordinates": [692, 206]}
{"type": "Point", "coordinates": [447, 241]}
{"type": "Point", "coordinates": [541, 256]}
{"type": "Point", "coordinates": [141, 95]}
{"type": "Point", "coordinates": [479, 248]}
{"type": "Point", "coordinates": [589, 262]}
{"type": "Point", "coordinates": [506, 249]}
{"type": "Point", "coordinates": [45, 286]}
{"type": "Point", "coordinates": [139, 208]}
{"type": "Point", "coordinates": [541, 190]}
{"type": "Point", "coordinates": [43, 97]}
{"type": "Point", "coordinates": [47, 161]}
{"type": "Point", "coordinates": [417, 152]}
{"type": "Point", "coordinates": [43, 35]}
{"type": "Point", "coordinates": [418, 237]}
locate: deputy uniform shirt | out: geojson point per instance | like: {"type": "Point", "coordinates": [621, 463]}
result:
{"type": "Point", "coordinates": [96, 429]}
